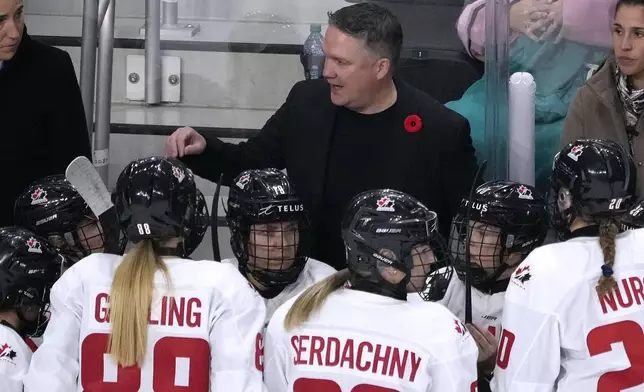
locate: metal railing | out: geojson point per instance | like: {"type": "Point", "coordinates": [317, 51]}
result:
{"type": "Point", "coordinates": [92, 80]}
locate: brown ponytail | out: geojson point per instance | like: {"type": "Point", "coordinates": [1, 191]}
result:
{"type": "Point", "coordinates": [608, 229]}
{"type": "Point", "coordinates": [313, 298]}
{"type": "Point", "coordinates": [130, 301]}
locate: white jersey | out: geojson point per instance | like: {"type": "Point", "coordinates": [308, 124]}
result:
{"type": "Point", "coordinates": [15, 356]}
{"type": "Point", "coordinates": [313, 272]}
{"type": "Point", "coordinates": [201, 333]}
{"type": "Point", "coordinates": [557, 333]}
{"type": "Point", "coordinates": [487, 309]}
{"type": "Point", "coordinates": [360, 341]}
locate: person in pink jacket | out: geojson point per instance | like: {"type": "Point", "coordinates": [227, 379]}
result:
{"type": "Point", "coordinates": [559, 42]}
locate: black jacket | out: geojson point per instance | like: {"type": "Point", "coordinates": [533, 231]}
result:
{"type": "Point", "coordinates": [436, 164]}
{"type": "Point", "coordinates": [42, 121]}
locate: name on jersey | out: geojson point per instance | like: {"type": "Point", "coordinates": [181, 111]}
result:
{"type": "Point", "coordinates": [352, 354]}
{"type": "Point", "coordinates": [629, 292]}
{"type": "Point", "coordinates": [173, 311]}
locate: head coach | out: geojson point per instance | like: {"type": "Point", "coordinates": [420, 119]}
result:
{"type": "Point", "coordinates": [357, 130]}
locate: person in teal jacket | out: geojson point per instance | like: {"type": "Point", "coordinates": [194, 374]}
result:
{"type": "Point", "coordinates": [559, 42]}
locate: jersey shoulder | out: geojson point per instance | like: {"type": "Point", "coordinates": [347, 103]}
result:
{"type": "Point", "coordinates": [549, 272]}
{"type": "Point", "coordinates": [317, 270]}
{"type": "Point", "coordinates": [15, 355]}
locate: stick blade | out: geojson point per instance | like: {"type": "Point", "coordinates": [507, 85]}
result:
{"type": "Point", "coordinates": [82, 174]}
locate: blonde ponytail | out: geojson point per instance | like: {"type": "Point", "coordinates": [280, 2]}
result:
{"type": "Point", "coordinates": [312, 299]}
{"type": "Point", "coordinates": [130, 301]}
{"type": "Point", "coordinates": [608, 230]}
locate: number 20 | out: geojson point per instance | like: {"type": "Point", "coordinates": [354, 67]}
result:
{"type": "Point", "coordinates": [143, 228]}
{"type": "Point", "coordinates": [615, 203]}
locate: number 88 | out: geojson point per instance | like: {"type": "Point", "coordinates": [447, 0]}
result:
{"type": "Point", "coordinates": [143, 228]}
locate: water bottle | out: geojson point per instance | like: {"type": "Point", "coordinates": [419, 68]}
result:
{"type": "Point", "coordinates": [312, 57]}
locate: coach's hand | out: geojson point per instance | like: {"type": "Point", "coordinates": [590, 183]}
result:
{"type": "Point", "coordinates": [184, 141]}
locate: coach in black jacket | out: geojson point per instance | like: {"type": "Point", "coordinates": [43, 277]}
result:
{"type": "Point", "coordinates": [42, 121]}
{"type": "Point", "coordinates": [355, 131]}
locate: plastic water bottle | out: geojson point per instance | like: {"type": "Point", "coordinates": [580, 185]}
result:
{"type": "Point", "coordinates": [312, 57]}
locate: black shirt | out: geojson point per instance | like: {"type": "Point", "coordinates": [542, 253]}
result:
{"type": "Point", "coordinates": [357, 155]}
{"type": "Point", "coordinates": [42, 120]}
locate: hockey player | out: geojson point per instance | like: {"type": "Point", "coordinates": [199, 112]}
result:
{"type": "Point", "coordinates": [166, 322]}
{"type": "Point", "coordinates": [29, 266]}
{"type": "Point", "coordinates": [269, 229]}
{"type": "Point", "coordinates": [506, 221]}
{"type": "Point", "coordinates": [369, 337]}
{"type": "Point", "coordinates": [51, 207]}
{"type": "Point", "coordinates": [573, 317]}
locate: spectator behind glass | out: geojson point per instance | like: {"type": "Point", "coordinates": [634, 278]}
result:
{"type": "Point", "coordinates": [558, 42]}
{"type": "Point", "coordinates": [610, 105]}
{"type": "Point", "coordinates": [42, 119]}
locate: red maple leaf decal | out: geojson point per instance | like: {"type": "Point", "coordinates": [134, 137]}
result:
{"type": "Point", "coordinates": [4, 347]}
{"type": "Point", "coordinates": [522, 270]}
{"type": "Point", "coordinates": [383, 201]}
{"type": "Point", "coordinates": [576, 149]}
{"type": "Point", "coordinates": [458, 327]}
{"type": "Point", "coordinates": [36, 194]}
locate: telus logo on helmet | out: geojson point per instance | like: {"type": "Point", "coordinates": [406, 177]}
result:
{"type": "Point", "coordinates": [281, 209]}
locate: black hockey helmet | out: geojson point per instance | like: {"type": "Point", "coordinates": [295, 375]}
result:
{"type": "Point", "coordinates": [505, 218]}
{"type": "Point", "coordinates": [199, 224]}
{"type": "Point", "coordinates": [387, 228]}
{"type": "Point", "coordinates": [592, 179]}
{"type": "Point", "coordinates": [29, 266]}
{"type": "Point", "coordinates": [634, 218]}
{"type": "Point", "coordinates": [264, 209]}
{"type": "Point", "coordinates": [156, 199]}
{"type": "Point", "coordinates": [51, 207]}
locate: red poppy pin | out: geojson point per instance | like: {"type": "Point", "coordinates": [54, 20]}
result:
{"type": "Point", "coordinates": [413, 123]}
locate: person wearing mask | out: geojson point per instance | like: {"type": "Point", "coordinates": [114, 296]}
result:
{"type": "Point", "coordinates": [610, 105]}
{"type": "Point", "coordinates": [157, 319]}
{"type": "Point", "coordinates": [573, 319]}
{"type": "Point", "coordinates": [358, 129]}
{"type": "Point", "coordinates": [41, 110]}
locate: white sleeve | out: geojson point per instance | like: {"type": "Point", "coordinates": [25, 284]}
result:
{"type": "Point", "coordinates": [238, 318]}
{"type": "Point", "coordinates": [275, 355]}
{"type": "Point", "coordinates": [14, 361]}
{"type": "Point", "coordinates": [54, 366]}
{"type": "Point", "coordinates": [454, 368]}
{"type": "Point", "coordinates": [529, 356]}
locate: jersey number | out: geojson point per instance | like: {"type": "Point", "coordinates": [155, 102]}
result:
{"type": "Point", "coordinates": [321, 385]}
{"type": "Point", "coordinates": [505, 348]}
{"type": "Point", "coordinates": [632, 337]}
{"type": "Point", "coordinates": [143, 228]}
{"type": "Point", "coordinates": [166, 352]}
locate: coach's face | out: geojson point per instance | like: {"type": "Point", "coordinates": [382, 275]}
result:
{"type": "Point", "coordinates": [12, 25]}
{"type": "Point", "coordinates": [353, 71]}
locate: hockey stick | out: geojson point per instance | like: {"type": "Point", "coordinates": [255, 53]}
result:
{"type": "Point", "coordinates": [82, 174]}
{"type": "Point", "coordinates": [214, 215]}
{"type": "Point", "coordinates": [468, 235]}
